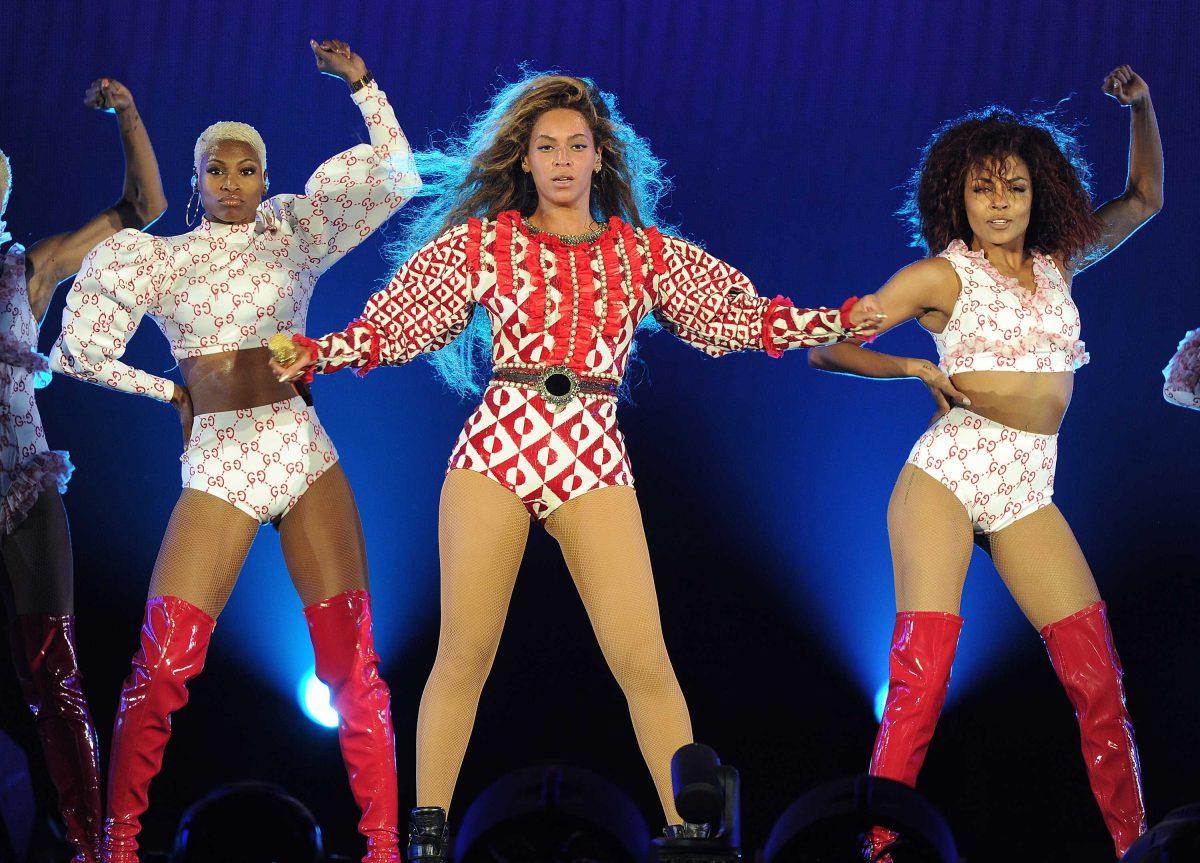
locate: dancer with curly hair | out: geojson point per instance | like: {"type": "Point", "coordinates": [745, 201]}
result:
{"type": "Point", "coordinates": [35, 537]}
{"type": "Point", "coordinates": [255, 451]}
{"type": "Point", "coordinates": [542, 232]}
{"type": "Point", "coordinates": [1003, 201]}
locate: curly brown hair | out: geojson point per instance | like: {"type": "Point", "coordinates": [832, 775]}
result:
{"type": "Point", "coordinates": [1063, 219]}
{"type": "Point", "coordinates": [495, 181]}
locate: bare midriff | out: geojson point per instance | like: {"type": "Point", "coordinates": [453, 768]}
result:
{"type": "Point", "coordinates": [1031, 401]}
{"type": "Point", "coordinates": [233, 380]}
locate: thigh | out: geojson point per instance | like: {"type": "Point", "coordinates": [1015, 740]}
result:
{"type": "Point", "coordinates": [322, 540]}
{"type": "Point", "coordinates": [202, 553]}
{"type": "Point", "coordinates": [38, 561]}
{"type": "Point", "coordinates": [604, 545]}
{"type": "Point", "coordinates": [1043, 566]}
{"type": "Point", "coordinates": [931, 539]}
{"type": "Point", "coordinates": [482, 531]}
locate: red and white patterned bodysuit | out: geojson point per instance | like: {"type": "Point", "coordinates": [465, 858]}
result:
{"type": "Point", "coordinates": [569, 309]}
{"type": "Point", "coordinates": [27, 465]}
{"type": "Point", "coordinates": [1000, 474]}
{"type": "Point", "coordinates": [231, 287]}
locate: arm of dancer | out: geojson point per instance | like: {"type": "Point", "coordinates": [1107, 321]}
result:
{"type": "Point", "coordinates": [712, 306]}
{"type": "Point", "coordinates": [354, 192]}
{"type": "Point", "coordinates": [425, 306]}
{"type": "Point", "coordinates": [1182, 374]}
{"type": "Point", "coordinates": [1143, 195]}
{"type": "Point", "coordinates": [50, 261]}
{"type": "Point", "coordinates": [115, 288]}
{"type": "Point", "coordinates": [924, 288]}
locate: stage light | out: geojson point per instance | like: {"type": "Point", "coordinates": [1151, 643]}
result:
{"type": "Point", "coordinates": [314, 699]}
{"type": "Point", "coordinates": [880, 701]}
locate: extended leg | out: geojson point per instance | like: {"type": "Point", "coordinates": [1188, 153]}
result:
{"type": "Point", "coordinates": [604, 545]}
{"type": "Point", "coordinates": [1044, 568]}
{"type": "Point", "coordinates": [323, 546]}
{"type": "Point", "coordinates": [201, 555]}
{"type": "Point", "coordinates": [37, 558]}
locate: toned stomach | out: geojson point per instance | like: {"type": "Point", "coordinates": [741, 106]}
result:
{"type": "Point", "coordinates": [1031, 401]}
{"type": "Point", "coordinates": [234, 380]}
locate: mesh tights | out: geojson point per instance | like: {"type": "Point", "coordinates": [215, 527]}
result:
{"type": "Point", "coordinates": [207, 541]}
{"type": "Point", "coordinates": [1037, 556]}
{"type": "Point", "coordinates": [483, 529]}
{"type": "Point", "coordinates": [38, 561]}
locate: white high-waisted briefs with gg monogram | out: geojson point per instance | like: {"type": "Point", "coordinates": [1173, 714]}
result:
{"type": "Point", "coordinates": [1000, 474]}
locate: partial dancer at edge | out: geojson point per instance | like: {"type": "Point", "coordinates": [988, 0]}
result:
{"type": "Point", "coordinates": [542, 230]}
{"type": "Point", "coordinates": [40, 592]}
{"type": "Point", "coordinates": [1181, 384]}
{"type": "Point", "coordinates": [255, 452]}
{"type": "Point", "coordinates": [1005, 199]}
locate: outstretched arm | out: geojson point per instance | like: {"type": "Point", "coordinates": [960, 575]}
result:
{"type": "Point", "coordinates": [50, 261]}
{"type": "Point", "coordinates": [925, 290]}
{"type": "Point", "coordinates": [714, 307]}
{"type": "Point", "coordinates": [1143, 195]}
{"type": "Point", "coordinates": [427, 304]}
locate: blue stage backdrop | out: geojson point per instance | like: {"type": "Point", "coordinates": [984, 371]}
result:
{"type": "Point", "coordinates": [788, 129]}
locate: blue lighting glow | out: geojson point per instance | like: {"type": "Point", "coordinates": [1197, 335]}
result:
{"type": "Point", "coordinates": [314, 699]}
{"type": "Point", "coordinates": [880, 701]}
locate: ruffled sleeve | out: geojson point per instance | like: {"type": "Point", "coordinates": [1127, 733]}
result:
{"type": "Point", "coordinates": [424, 307]}
{"type": "Point", "coordinates": [353, 193]}
{"type": "Point", "coordinates": [1182, 373]}
{"type": "Point", "coordinates": [714, 307]}
{"type": "Point", "coordinates": [119, 282]}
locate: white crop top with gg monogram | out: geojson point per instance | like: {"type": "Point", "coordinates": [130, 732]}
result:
{"type": "Point", "coordinates": [998, 325]}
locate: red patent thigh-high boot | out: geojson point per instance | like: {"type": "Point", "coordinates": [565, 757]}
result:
{"type": "Point", "coordinates": [346, 661]}
{"type": "Point", "coordinates": [174, 641]}
{"type": "Point", "coordinates": [922, 653]}
{"type": "Point", "coordinates": [1081, 649]}
{"type": "Point", "coordinates": [43, 648]}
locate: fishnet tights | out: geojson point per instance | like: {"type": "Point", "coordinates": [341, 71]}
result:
{"type": "Point", "coordinates": [207, 541]}
{"type": "Point", "coordinates": [38, 561]}
{"type": "Point", "coordinates": [483, 529]}
{"type": "Point", "coordinates": [1037, 556]}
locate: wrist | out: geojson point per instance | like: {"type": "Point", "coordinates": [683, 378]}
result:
{"type": "Point", "coordinates": [357, 83]}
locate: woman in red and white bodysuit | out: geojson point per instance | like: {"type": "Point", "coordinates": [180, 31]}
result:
{"type": "Point", "coordinates": [542, 234]}
{"type": "Point", "coordinates": [39, 590]}
{"type": "Point", "coordinates": [255, 451]}
{"type": "Point", "coordinates": [1004, 199]}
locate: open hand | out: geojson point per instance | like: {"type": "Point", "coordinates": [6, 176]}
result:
{"type": "Point", "coordinates": [1126, 86]}
{"type": "Point", "coordinates": [108, 94]}
{"type": "Point", "coordinates": [945, 394]}
{"type": "Point", "coordinates": [866, 317]}
{"type": "Point", "coordinates": [334, 58]}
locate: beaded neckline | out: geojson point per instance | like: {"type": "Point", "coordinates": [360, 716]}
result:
{"type": "Point", "coordinates": [569, 239]}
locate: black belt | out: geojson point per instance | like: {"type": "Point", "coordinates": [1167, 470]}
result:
{"type": "Point", "coordinates": [556, 384]}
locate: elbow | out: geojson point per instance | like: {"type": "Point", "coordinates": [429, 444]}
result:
{"type": "Point", "coordinates": [149, 210]}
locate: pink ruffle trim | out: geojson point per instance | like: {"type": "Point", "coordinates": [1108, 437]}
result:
{"type": "Point", "coordinates": [1182, 373]}
{"type": "Point", "coordinates": [1034, 344]}
{"type": "Point", "coordinates": [21, 356]}
{"type": "Point", "coordinates": [46, 470]}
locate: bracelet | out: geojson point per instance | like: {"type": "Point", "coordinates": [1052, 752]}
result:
{"type": "Point", "coordinates": [361, 82]}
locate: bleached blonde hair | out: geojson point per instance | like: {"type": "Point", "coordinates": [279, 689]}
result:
{"type": "Point", "coordinates": [5, 181]}
{"type": "Point", "coordinates": [228, 130]}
